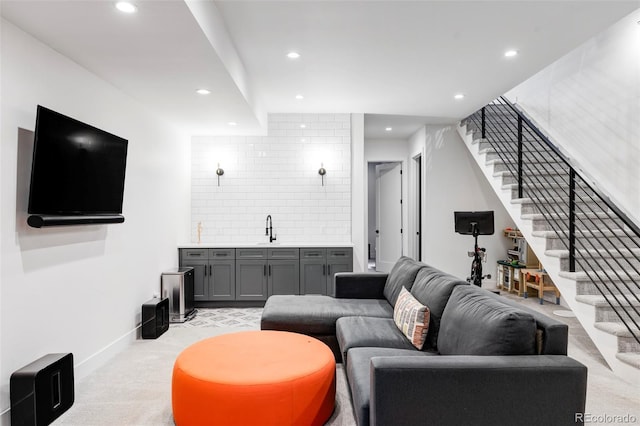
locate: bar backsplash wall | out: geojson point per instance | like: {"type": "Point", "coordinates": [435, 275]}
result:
{"type": "Point", "coordinates": [278, 175]}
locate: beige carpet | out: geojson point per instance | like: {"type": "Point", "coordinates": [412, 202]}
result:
{"type": "Point", "coordinates": [134, 388]}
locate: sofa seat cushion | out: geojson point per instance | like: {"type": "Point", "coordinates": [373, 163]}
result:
{"type": "Point", "coordinates": [316, 314]}
{"type": "Point", "coordinates": [403, 274]}
{"type": "Point", "coordinates": [475, 323]}
{"type": "Point", "coordinates": [358, 375]}
{"type": "Point", "coordinates": [433, 288]}
{"type": "Point", "coordinates": [358, 332]}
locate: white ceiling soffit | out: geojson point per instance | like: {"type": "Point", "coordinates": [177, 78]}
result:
{"type": "Point", "coordinates": [160, 56]}
{"type": "Point", "coordinates": [389, 58]}
{"type": "Point", "coordinates": [401, 126]}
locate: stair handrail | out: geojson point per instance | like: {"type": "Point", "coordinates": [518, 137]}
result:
{"type": "Point", "coordinates": [574, 173]}
{"type": "Point", "coordinates": [569, 162]}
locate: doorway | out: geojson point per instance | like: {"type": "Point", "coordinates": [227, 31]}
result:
{"type": "Point", "coordinates": [417, 249]}
{"type": "Point", "coordinates": [385, 215]}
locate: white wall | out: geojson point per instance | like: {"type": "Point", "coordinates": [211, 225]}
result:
{"type": "Point", "coordinates": [79, 289]}
{"type": "Point", "coordinates": [452, 181]}
{"type": "Point", "coordinates": [589, 103]}
{"type": "Point", "coordinates": [277, 175]}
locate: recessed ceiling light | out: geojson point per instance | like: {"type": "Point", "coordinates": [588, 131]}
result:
{"type": "Point", "coordinates": [388, 129]}
{"type": "Point", "coordinates": [511, 53]}
{"type": "Point", "coordinates": [232, 123]}
{"type": "Point", "coordinates": [302, 126]}
{"type": "Point", "coordinates": [293, 55]}
{"type": "Point", "coordinates": [203, 91]}
{"type": "Point", "coordinates": [459, 96]}
{"type": "Point", "coordinates": [299, 97]}
{"type": "Point", "coordinates": [126, 7]}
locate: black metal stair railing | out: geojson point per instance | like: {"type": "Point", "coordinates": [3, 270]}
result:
{"type": "Point", "coordinates": [600, 240]}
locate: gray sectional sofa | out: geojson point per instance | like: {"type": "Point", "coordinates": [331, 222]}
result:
{"type": "Point", "coordinates": [486, 360]}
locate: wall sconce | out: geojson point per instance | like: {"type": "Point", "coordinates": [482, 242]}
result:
{"type": "Point", "coordinates": [322, 172]}
{"type": "Point", "coordinates": [219, 172]}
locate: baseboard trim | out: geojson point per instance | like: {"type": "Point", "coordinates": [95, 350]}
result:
{"type": "Point", "coordinates": [100, 358]}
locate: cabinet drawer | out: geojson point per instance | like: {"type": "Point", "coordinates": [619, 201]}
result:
{"type": "Point", "coordinates": [339, 253]}
{"type": "Point", "coordinates": [251, 253]}
{"type": "Point", "coordinates": [313, 253]}
{"type": "Point", "coordinates": [283, 253]}
{"type": "Point", "coordinates": [193, 254]}
{"type": "Point", "coordinates": [222, 254]}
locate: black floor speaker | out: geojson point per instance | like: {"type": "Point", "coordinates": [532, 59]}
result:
{"type": "Point", "coordinates": [155, 318]}
{"type": "Point", "coordinates": [41, 391]}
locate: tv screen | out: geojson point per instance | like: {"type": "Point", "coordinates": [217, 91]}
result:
{"type": "Point", "coordinates": [483, 221]}
{"type": "Point", "coordinates": [77, 169]}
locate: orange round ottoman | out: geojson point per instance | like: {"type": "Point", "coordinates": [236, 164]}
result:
{"type": "Point", "coordinates": [254, 378]}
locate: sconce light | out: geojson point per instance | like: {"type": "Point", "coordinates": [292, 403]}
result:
{"type": "Point", "coordinates": [322, 172]}
{"type": "Point", "coordinates": [219, 172]}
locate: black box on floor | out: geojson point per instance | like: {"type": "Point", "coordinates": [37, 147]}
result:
{"type": "Point", "coordinates": [155, 318]}
{"type": "Point", "coordinates": [41, 391]}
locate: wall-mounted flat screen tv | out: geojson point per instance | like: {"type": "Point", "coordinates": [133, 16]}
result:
{"type": "Point", "coordinates": [77, 171]}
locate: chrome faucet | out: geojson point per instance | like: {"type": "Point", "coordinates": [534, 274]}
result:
{"type": "Point", "coordinates": [269, 229]}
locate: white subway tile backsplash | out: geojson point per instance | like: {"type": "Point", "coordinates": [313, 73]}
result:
{"type": "Point", "coordinates": [275, 174]}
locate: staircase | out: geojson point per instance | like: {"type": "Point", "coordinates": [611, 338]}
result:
{"type": "Point", "coordinates": [589, 248]}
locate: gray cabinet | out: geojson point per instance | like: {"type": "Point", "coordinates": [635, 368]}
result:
{"type": "Point", "coordinates": [251, 274]}
{"type": "Point", "coordinates": [222, 274]}
{"type": "Point", "coordinates": [318, 267]}
{"type": "Point", "coordinates": [254, 273]}
{"type": "Point", "coordinates": [283, 271]}
{"type": "Point", "coordinates": [214, 273]}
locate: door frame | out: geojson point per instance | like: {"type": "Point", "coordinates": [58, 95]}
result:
{"type": "Point", "coordinates": [383, 168]}
{"type": "Point", "coordinates": [405, 209]}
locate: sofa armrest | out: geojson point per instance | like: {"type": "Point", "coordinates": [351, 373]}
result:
{"type": "Point", "coordinates": [359, 285]}
{"type": "Point", "coordinates": [478, 390]}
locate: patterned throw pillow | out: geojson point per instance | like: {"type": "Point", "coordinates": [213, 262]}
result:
{"type": "Point", "coordinates": [412, 318]}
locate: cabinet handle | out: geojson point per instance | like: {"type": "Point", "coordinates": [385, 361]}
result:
{"type": "Point", "coordinates": [209, 269]}
{"type": "Point", "coordinates": [205, 270]}
{"type": "Point", "coordinates": [264, 270]}
{"type": "Point", "coordinates": [194, 254]}
{"type": "Point", "coordinates": [269, 270]}
{"type": "Point", "coordinates": [324, 269]}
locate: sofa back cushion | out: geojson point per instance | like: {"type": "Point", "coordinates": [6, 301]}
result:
{"type": "Point", "coordinates": [433, 288]}
{"type": "Point", "coordinates": [403, 274]}
{"type": "Point", "coordinates": [474, 323]}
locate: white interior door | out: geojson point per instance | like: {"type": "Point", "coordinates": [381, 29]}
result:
{"type": "Point", "coordinates": [388, 215]}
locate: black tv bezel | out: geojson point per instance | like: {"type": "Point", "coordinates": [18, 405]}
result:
{"type": "Point", "coordinates": [55, 217]}
{"type": "Point", "coordinates": [464, 219]}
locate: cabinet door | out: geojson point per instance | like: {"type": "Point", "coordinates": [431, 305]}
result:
{"type": "Point", "coordinates": [313, 271]}
{"type": "Point", "coordinates": [251, 279]}
{"type": "Point", "coordinates": [222, 281]}
{"type": "Point", "coordinates": [200, 278]}
{"type": "Point", "coordinates": [313, 277]}
{"type": "Point", "coordinates": [338, 260]}
{"type": "Point", "coordinates": [284, 277]}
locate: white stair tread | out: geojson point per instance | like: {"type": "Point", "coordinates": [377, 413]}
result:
{"type": "Point", "coordinates": [630, 358]}
{"type": "Point", "coordinates": [616, 328]}
{"type": "Point", "coordinates": [605, 274]}
{"type": "Point", "coordinates": [597, 233]}
{"type": "Point", "coordinates": [597, 300]}
{"type": "Point", "coordinates": [603, 253]}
